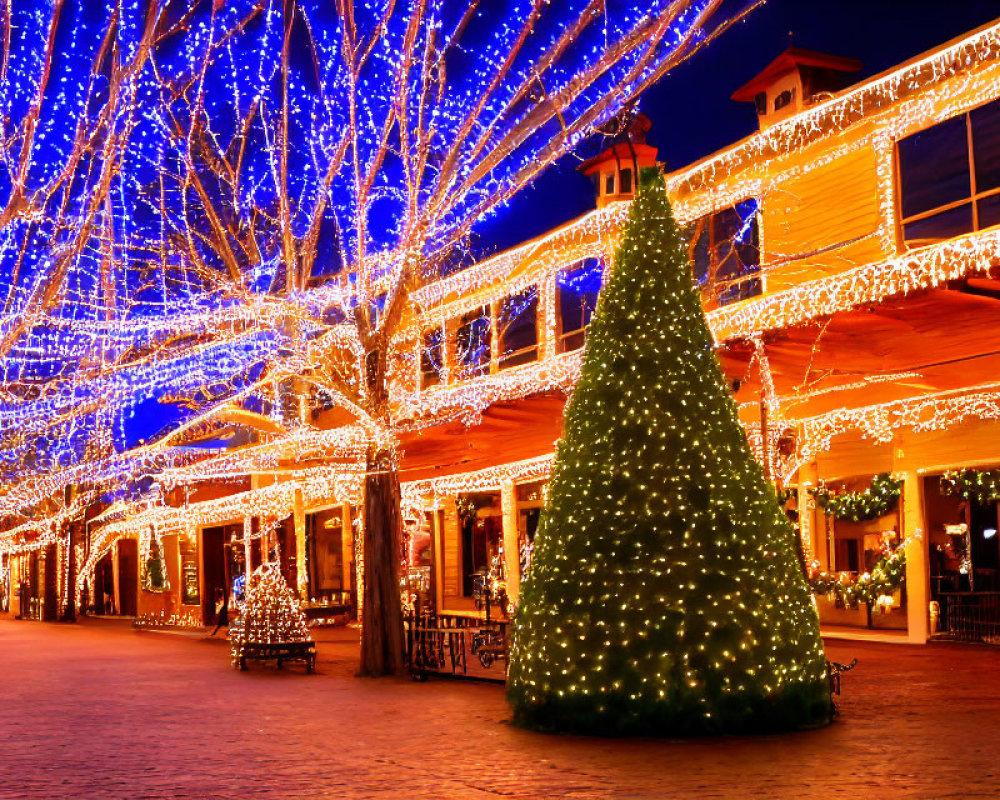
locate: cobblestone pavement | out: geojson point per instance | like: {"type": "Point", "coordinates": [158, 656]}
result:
{"type": "Point", "coordinates": [98, 711]}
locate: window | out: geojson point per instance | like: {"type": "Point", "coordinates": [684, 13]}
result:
{"type": "Point", "coordinates": [760, 103]}
{"type": "Point", "coordinates": [625, 181]}
{"type": "Point", "coordinates": [432, 358]}
{"type": "Point", "coordinates": [474, 336]}
{"type": "Point", "coordinates": [609, 183]}
{"type": "Point", "coordinates": [725, 252]}
{"type": "Point", "coordinates": [577, 289]}
{"type": "Point", "coordinates": [949, 177]}
{"type": "Point", "coordinates": [517, 321]}
{"type": "Point", "coordinates": [784, 99]}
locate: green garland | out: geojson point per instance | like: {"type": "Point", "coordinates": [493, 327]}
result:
{"type": "Point", "coordinates": [784, 495]}
{"type": "Point", "coordinates": [983, 486]}
{"type": "Point", "coordinates": [878, 499]}
{"type": "Point", "coordinates": [885, 578]}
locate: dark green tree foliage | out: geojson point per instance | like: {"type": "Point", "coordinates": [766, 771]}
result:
{"type": "Point", "coordinates": [664, 595]}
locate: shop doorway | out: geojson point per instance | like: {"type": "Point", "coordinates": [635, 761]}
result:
{"type": "Point", "coordinates": [128, 577]}
{"type": "Point", "coordinates": [964, 556]}
{"type": "Point", "coordinates": [104, 586]}
{"type": "Point", "coordinates": [482, 535]}
{"type": "Point", "coordinates": [222, 562]}
{"type": "Point", "coordinates": [50, 594]}
{"type": "Point", "coordinates": [984, 546]}
{"type": "Point", "coordinates": [325, 548]}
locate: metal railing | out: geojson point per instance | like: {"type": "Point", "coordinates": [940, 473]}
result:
{"type": "Point", "coordinates": [448, 644]}
{"type": "Point", "coordinates": [971, 616]}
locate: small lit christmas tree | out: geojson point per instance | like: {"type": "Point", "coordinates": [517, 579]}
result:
{"type": "Point", "coordinates": [154, 576]}
{"type": "Point", "coordinates": [664, 595]}
{"type": "Point", "coordinates": [270, 614]}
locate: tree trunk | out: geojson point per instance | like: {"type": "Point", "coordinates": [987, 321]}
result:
{"type": "Point", "coordinates": [382, 619]}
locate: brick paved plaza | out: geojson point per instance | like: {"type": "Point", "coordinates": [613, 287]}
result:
{"type": "Point", "coordinates": [97, 711]}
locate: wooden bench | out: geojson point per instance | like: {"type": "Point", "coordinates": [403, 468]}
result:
{"type": "Point", "coordinates": [280, 652]}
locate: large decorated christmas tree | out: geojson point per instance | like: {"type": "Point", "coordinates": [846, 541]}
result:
{"type": "Point", "coordinates": [664, 595]}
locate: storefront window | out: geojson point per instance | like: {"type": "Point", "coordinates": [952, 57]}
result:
{"type": "Point", "coordinates": [530, 500]}
{"type": "Point", "coordinates": [189, 571]}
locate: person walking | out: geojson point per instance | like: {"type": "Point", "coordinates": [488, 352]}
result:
{"type": "Point", "coordinates": [221, 610]}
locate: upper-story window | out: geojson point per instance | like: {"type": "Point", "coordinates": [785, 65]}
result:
{"type": "Point", "coordinates": [725, 252]}
{"type": "Point", "coordinates": [517, 326]}
{"type": "Point", "coordinates": [625, 181]}
{"type": "Point", "coordinates": [609, 183]}
{"type": "Point", "coordinates": [473, 341]}
{"type": "Point", "coordinates": [949, 177]}
{"type": "Point", "coordinates": [432, 357]}
{"type": "Point", "coordinates": [783, 99]}
{"type": "Point", "coordinates": [577, 289]}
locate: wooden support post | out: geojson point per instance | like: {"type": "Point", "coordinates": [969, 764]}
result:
{"type": "Point", "coordinates": [247, 548]}
{"type": "Point", "coordinates": [822, 539]}
{"type": "Point", "coordinates": [548, 329]}
{"type": "Point", "coordinates": [437, 531]}
{"type": "Point", "coordinates": [765, 453]}
{"type": "Point", "coordinates": [508, 508]}
{"type": "Point", "coordinates": [917, 574]}
{"type": "Point", "coordinates": [808, 529]}
{"type": "Point", "coordinates": [301, 568]}
{"type": "Point", "coordinates": [346, 546]}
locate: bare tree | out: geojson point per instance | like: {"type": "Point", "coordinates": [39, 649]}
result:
{"type": "Point", "coordinates": [178, 174]}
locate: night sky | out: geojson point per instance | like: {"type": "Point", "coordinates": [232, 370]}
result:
{"type": "Point", "coordinates": [691, 109]}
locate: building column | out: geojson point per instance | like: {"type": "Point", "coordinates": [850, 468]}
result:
{"type": "Point", "coordinates": [437, 531]}
{"type": "Point", "coordinates": [808, 478]}
{"type": "Point", "coordinates": [511, 555]}
{"type": "Point", "coordinates": [346, 546]}
{"type": "Point", "coordinates": [301, 571]}
{"type": "Point", "coordinates": [917, 574]}
{"type": "Point", "coordinates": [248, 545]}
{"type": "Point", "coordinates": [548, 327]}
{"type": "Point", "coordinates": [821, 540]}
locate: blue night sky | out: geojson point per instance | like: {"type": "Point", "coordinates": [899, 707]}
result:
{"type": "Point", "coordinates": [691, 109]}
{"type": "Point", "coordinates": [693, 114]}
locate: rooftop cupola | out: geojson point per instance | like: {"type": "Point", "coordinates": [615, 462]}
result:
{"type": "Point", "coordinates": [794, 81]}
{"type": "Point", "coordinates": [616, 170]}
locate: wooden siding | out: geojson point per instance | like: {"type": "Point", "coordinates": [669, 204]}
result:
{"type": "Point", "coordinates": [825, 220]}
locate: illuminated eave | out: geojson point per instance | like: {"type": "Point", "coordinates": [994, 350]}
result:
{"type": "Point", "coordinates": [848, 108]}
{"type": "Point", "coordinates": [921, 269]}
